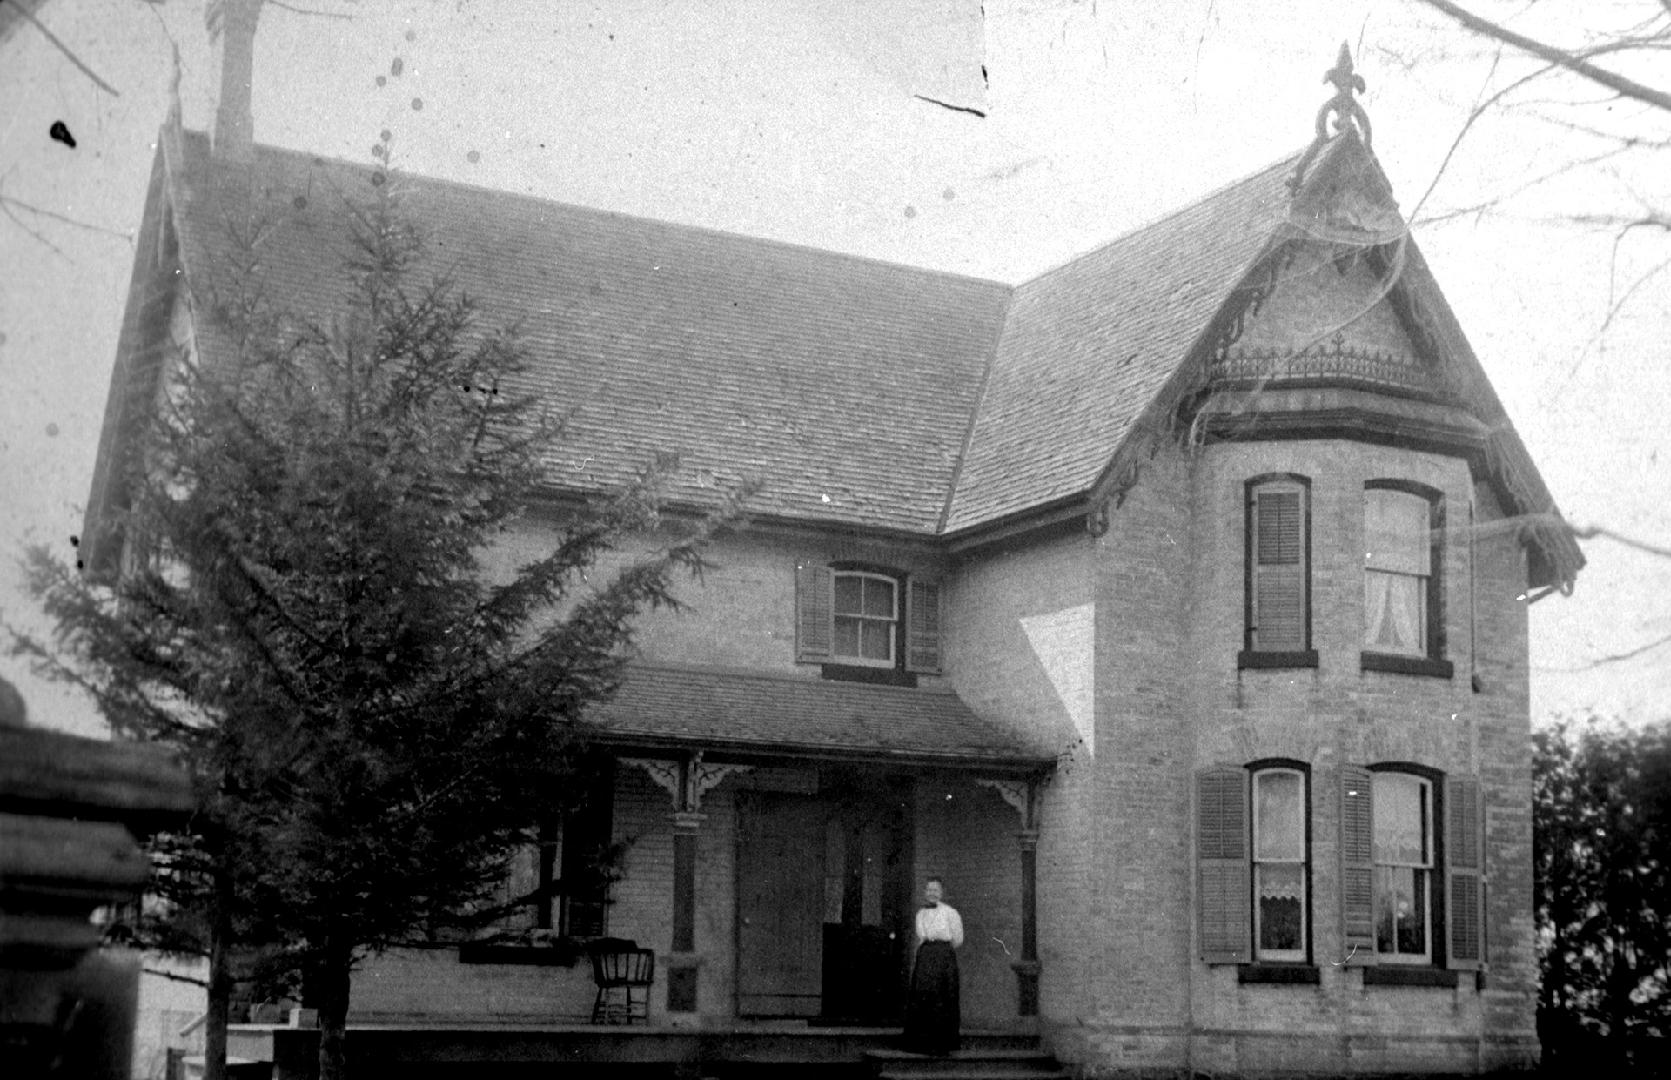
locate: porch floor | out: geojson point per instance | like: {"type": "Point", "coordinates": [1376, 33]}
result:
{"type": "Point", "coordinates": [418, 1049]}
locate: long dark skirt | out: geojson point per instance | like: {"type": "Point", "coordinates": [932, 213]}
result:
{"type": "Point", "coordinates": [933, 1010]}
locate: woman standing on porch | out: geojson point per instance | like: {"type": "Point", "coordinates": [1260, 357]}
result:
{"type": "Point", "coordinates": [932, 1012]}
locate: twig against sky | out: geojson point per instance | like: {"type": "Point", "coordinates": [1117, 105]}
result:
{"type": "Point", "coordinates": [1610, 658]}
{"type": "Point", "coordinates": [55, 216]}
{"type": "Point", "coordinates": [1572, 60]}
{"type": "Point", "coordinates": [67, 51]}
{"type": "Point", "coordinates": [1590, 532]}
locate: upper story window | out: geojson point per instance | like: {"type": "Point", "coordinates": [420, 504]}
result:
{"type": "Point", "coordinates": [1403, 554]}
{"type": "Point", "coordinates": [1278, 594]}
{"type": "Point", "coordinates": [865, 622]}
{"type": "Point", "coordinates": [866, 618]}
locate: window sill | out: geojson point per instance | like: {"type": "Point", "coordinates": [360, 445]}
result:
{"type": "Point", "coordinates": [882, 676]}
{"type": "Point", "coordinates": [1277, 973]}
{"type": "Point", "coordinates": [1254, 658]}
{"type": "Point", "coordinates": [1397, 975]}
{"type": "Point", "coordinates": [1408, 665]}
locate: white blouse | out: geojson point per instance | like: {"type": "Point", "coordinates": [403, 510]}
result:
{"type": "Point", "coordinates": [940, 923]}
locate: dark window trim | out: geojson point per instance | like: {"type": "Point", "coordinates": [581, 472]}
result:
{"type": "Point", "coordinates": [879, 676]}
{"type": "Point", "coordinates": [1249, 487]}
{"type": "Point", "coordinates": [1254, 659]}
{"type": "Point", "coordinates": [1439, 666]}
{"type": "Point", "coordinates": [1277, 973]}
{"type": "Point", "coordinates": [1304, 769]}
{"type": "Point", "coordinates": [1408, 975]}
{"type": "Point", "coordinates": [1407, 665]}
{"type": "Point", "coordinates": [1439, 915]}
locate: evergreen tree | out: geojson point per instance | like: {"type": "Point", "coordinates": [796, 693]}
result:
{"type": "Point", "coordinates": [1602, 822]}
{"type": "Point", "coordinates": [372, 715]}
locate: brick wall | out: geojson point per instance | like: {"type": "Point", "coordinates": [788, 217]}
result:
{"type": "Point", "coordinates": [741, 612]}
{"type": "Point", "coordinates": [1138, 1007]}
{"type": "Point", "coordinates": [408, 985]}
{"type": "Point", "coordinates": [965, 834]}
{"type": "Point", "coordinates": [1337, 714]}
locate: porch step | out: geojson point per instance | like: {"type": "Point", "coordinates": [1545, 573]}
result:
{"type": "Point", "coordinates": [981, 1064]}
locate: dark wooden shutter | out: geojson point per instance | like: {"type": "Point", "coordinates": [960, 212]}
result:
{"type": "Point", "coordinates": [922, 627]}
{"type": "Point", "coordinates": [813, 621]}
{"type": "Point", "coordinates": [1279, 571]}
{"type": "Point", "coordinates": [1357, 865]}
{"type": "Point", "coordinates": [1465, 874]}
{"type": "Point", "coordinates": [1221, 852]}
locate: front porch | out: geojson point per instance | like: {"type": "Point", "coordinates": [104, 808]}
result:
{"type": "Point", "coordinates": [742, 1049]}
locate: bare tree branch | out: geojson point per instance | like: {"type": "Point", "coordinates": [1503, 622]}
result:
{"type": "Point", "coordinates": [309, 11]}
{"type": "Point", "coordinates": [20, 223]}
{"type": "Point", "coordinates": [1610, 658]}
{"type": "Point", "coordinates": [1571, 61]}
{"type": "Point", "coordinates": [43, 212]}
{"type": "Point", "coordinates": [65, 49]}
{"type": "Point", "coordinates": [1589, 532]}
{"type": "Point", "coordinates": [161, 974]}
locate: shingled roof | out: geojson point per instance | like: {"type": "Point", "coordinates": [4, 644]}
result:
{"type": "Point", "coordinates": [844, 384]}
{"type": "Point", "coordinates": [742, 712]}
{"type": "Point", "coordinates": [852, 388]}
{"type": "Point", "coordinates": [860, 393]}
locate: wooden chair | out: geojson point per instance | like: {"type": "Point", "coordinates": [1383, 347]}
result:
{"type": "Point", "coordinates": [623, 973]}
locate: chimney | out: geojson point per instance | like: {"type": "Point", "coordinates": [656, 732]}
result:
{"type": "Point", "coordinates": [231, 26]}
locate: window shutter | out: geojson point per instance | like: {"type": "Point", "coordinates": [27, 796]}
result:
{"type": "Point", "coordinates": [813, 624]}
{"type": "Point", "coordinates": [1465, 874]}
{"type": "Point", "coordinates": [1279, 571]}
{"type": "Point", "coordinates": [1221, 851]}
{"type": "Point", "coordinates": [922, 627]}
{"type": "Point", "coordinates": [1357, 865]}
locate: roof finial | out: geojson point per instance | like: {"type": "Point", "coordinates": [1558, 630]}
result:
{"type": "Point", "coordinates": [1343, 109]}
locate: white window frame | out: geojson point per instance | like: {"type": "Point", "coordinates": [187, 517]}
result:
{"type": "Point", "coordinates": [1286, 955]}
{"type": "Point", "coordinates": [891, 621]}
{"type": "Point", "coordinates": [1425, 867]}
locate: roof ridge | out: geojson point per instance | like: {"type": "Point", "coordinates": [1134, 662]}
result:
{"type": "Point", "coordinates": [1155, 222]}
{"type": "Point", "coordinates": [309, 158]}
{"type": "Point", "coordinates": [956, 478]}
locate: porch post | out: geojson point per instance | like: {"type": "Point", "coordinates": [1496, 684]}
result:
{"type": "Point", "coordinates": [683, 963]}
{"type": "Point", "coordinates": [1027, 969]}
{"type": "Point", "coordinates": [686, 779]}
{"type": "Point", "coordinates": [1023, 796]}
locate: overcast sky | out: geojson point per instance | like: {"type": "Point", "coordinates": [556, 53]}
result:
{"type": "Point", "coordinates": [806, 122]}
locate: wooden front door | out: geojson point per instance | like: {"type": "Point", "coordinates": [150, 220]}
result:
{"type": "Point", "coordinates": [780, 892]}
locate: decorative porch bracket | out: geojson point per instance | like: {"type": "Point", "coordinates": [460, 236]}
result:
{"type": "Point", "coordinates": [1023, 796]}
{"type": "Point", "coordinates": [686, 780]}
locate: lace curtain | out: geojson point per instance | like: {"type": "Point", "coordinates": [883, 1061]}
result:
{"type": "Point", "coordinates": [1397, 563]}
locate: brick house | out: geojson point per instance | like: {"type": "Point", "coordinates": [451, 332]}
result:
{"type": "Point", "coordinates": [1170, 605]}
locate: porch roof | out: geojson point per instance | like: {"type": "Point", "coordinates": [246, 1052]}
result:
{"type": "Point", "coordinates": [763, 714]}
